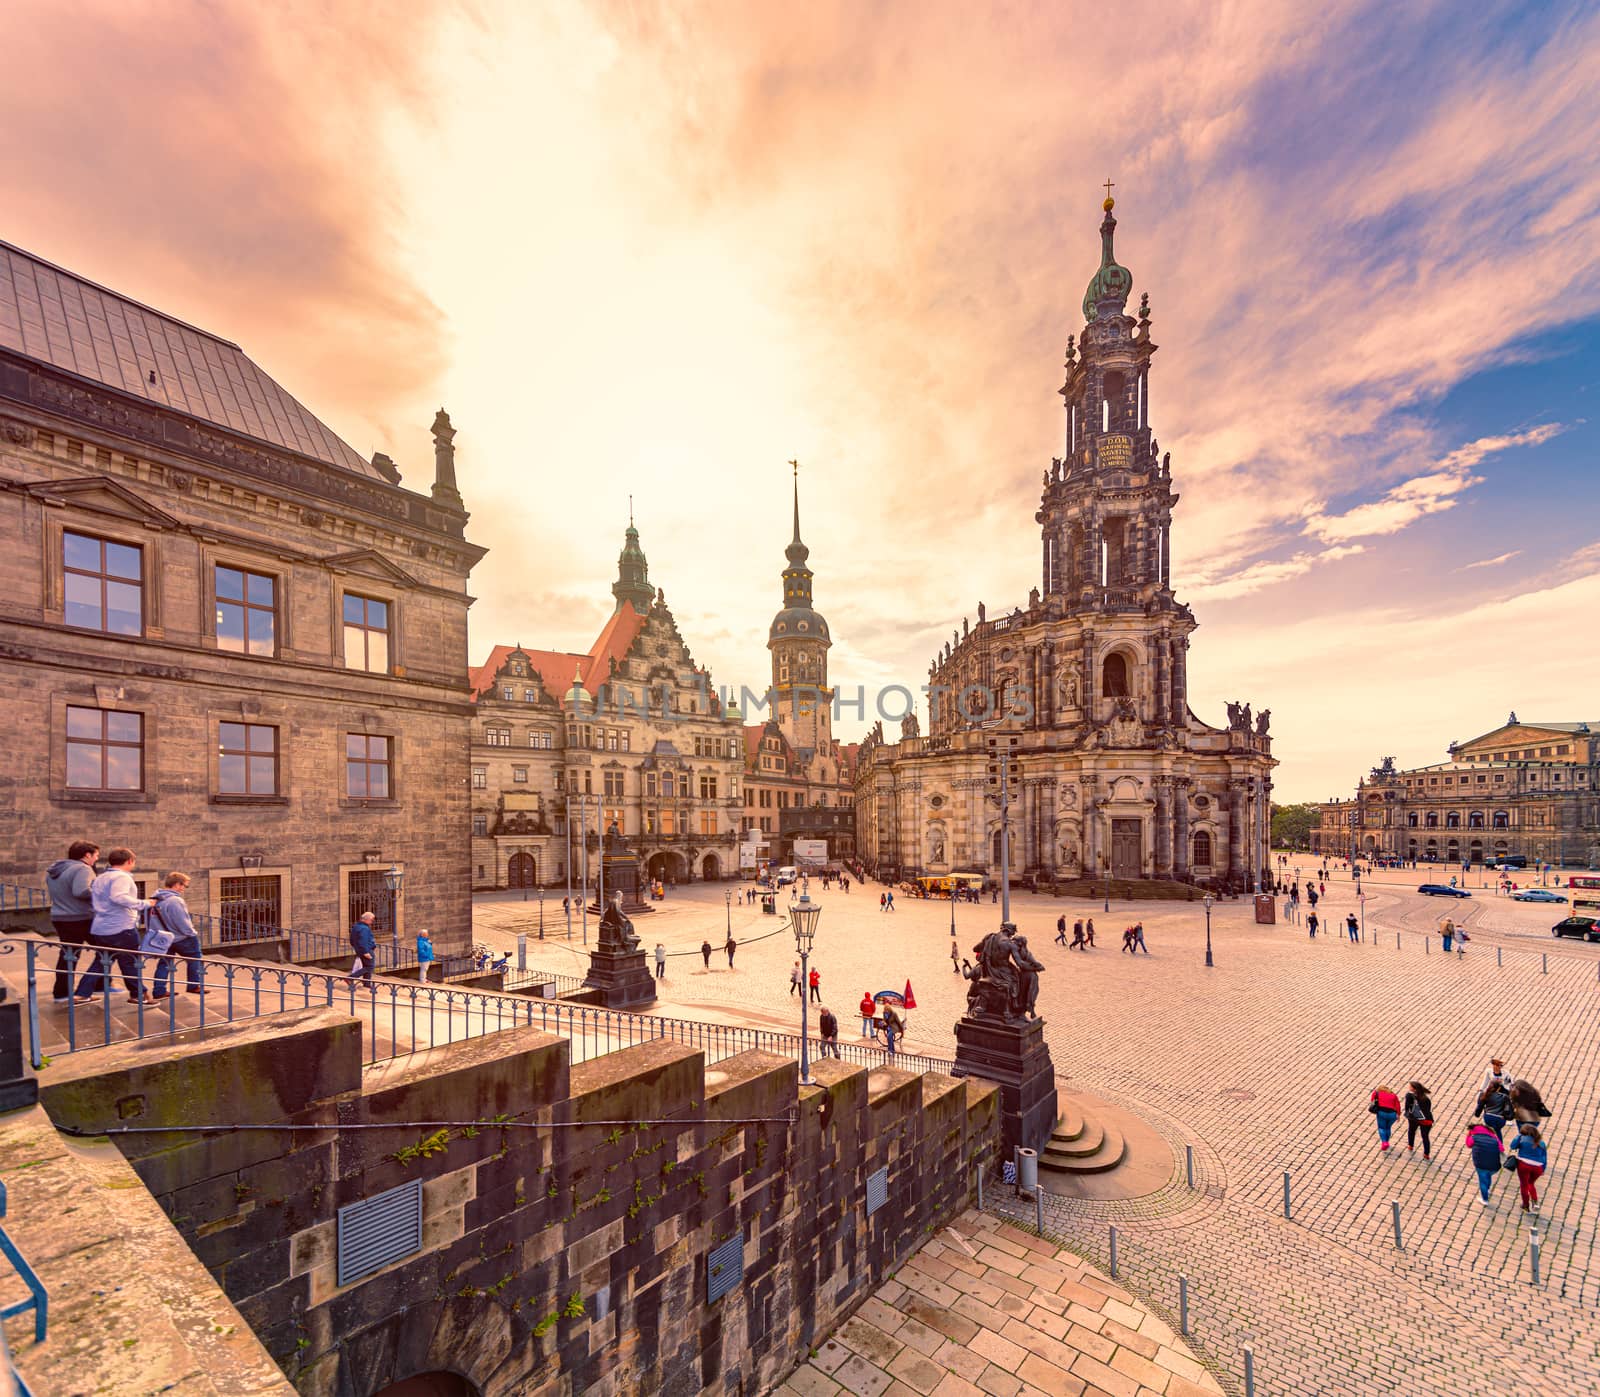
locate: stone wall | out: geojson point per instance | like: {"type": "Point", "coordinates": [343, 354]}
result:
{"type": "Point", "coordinates": [565, 1235]}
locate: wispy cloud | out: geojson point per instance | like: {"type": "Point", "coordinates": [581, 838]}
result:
{"type": "Point", "coordinates": [1266, 573]}
{"type": "Point", "coordinates": [1491, 562]}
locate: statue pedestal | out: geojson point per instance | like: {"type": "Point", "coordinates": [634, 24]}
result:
{"type": "Point", "coordinates": [1012, 1054]}
{"type": "Point", "coordinates": [622, 978]}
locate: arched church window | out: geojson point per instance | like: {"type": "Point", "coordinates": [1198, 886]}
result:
{"type": "Point", "coordinates": [1114, 676]}
{"type": "Point", "coordinates": [1501, 820]}
{"type": "Point", "coordinates": [1202, 848]}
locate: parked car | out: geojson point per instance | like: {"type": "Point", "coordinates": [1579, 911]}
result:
{"type": "Point", "coordinates": [1442, 890]}
{"type": "Point", "coordinates": [1586, 927]}
{"type": "Point", "coordinates": [1506, 861]}
{"type": "Point", "coordinates": [1537, 895]}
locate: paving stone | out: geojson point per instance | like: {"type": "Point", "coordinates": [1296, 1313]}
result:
{"type": "Point", "coordinates": [916, 1371]}
{"type": "Point", "coordinates": [856, 1375]}
{"type": "Point", "coordinates": [808, 1382]}
{"type": "Point", "coordinates": [830, 1355]}
{"type": "Point", "coordinates": [1047, 1377]}
{"type": "Point", "coordinates": [868, 1340]}
{"type": "Point", "coordinates": [960, 1360]}
{"type": "Point", "coordinates": [1001, 1352]}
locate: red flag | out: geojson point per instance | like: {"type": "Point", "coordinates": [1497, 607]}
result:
{"type": "Point", "coordinates": [911, 999]}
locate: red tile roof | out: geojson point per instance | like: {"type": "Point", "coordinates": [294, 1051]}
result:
{"type": "Point", "coordinates": [557, 667]}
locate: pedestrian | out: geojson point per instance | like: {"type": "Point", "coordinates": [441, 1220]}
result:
{"type": "Point", "coordinates": [883, 902]}
{"type": "Point", "coordinates": [1311, 895]}
{"type": "Point", "coordinates": [890, 896]}
{"type": "Point", "coordinates": [828, 1027]}
{"type": "Point", "coordinates": [1486, 1151]}
{"type": "Point", "coordinates": [117, 904]}
{"type": "Point", "coordinates": [891, 1027]}
{"type": "Point", "coordinates": [1531, 1156]}
{"type": "Point", "coordinates": [1448, 932]}
{"type": "Point", "coordinates": [1288, 910]}
{"type": "Point", "coordinates": [566, 908]}
{"type": "Point", "coordinates": [169, 920]}
{"type": "Point", "coordinates": [1088, 934]}
{"type": "Point", "coordinates": [794, 979]}
{"type": "Point", "coordinates": [1385, 1105]}
{"type": "Point", "coordinates": [955, 956]}
{"type": "Point", "coordinates": [1496, 1074]}
{"type": "Point", "coordinates": [1527, 1106]}
{"type": "Point", "coordinates": [1312, 924]}
{"type": "Point", "coordinates": [705, 953]}
{"type": "Point", "coordinates": [1419, 1119]}
{"type": "Point", "coordinates": [1138, 937]}
{"type": "Point", "coordinates": [1494, 1105]}
{"type": "Point", "coordinates": [71, 911]}
{"type": "Point", "coordinates": [661, 961]}
{"type": "Point", "coordinates": [730, 946]}
{"type": "Point", "coordinates": [868, 1009]}
{"type": "Point", "coordinates": [424, 955]}
{"type": "Point", "coordinates": [1061, 930]}
{"type": "Point", "coordinates": [816, 984]}
{"type": "Point", "coordinates": [365, 945]}
{"type": "Point", "coordinates": [1127, 939]}
{"type": "Point", "coordinates": [1352, 926]}
{"type": "Point", "coordinates": [1077, 936]}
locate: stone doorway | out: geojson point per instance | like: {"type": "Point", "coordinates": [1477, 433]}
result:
{"type": "Point", "coordinates": [1127, 848]}
{"type": "Point", "coordinates": [522, 871]}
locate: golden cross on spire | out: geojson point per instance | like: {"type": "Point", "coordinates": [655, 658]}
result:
{"type": "Point", "coordinates": [796, 466]}
{"type": "Point", "coordinates": [1109, 188]}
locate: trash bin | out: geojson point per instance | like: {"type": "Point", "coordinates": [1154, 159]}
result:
{"type": "Point", "coordinates": [1266, 909]}
{"type": "Point", "coordinates": [1027, 1169]}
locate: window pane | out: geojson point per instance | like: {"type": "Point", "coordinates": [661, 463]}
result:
{"type": "Point", "coordinates": [261, 590]}
{"type": "Point", "coordinates": [263, 739]}
{"type": "Point", "coordinates": [81, 552]}
{"type": "Point", "coordinates": [230, 775]}
{"type": "Point", "coordinates": [355, 745]}
{"type": "Point", "coordinates": [122, 768]}
{"type": "Point", "coordinates": [355, 779]}
{"type": "Point", "coordinates": [230, 626]}
{"type": "Point", "coordinates": [377, 614]}
{"type": "Point", "coordinates": [263, 776]}
{"type": "Point", "coordinates": [230, 736]}
{"type": "Point", "coordinates": [262, 627]}
{"type": "Point", "coordinates": [355, 647]}
{"type": "Point", "coordinates": [354, 613]}
{"type": "Point", "coordinates": [378, 749]}
{"type": "Point", "coordinates": [230, 584]}
{"type": "Point", "coordinates": [123, 727]}
{"type": "Point", "coordinates": [83, 601]}
{"type": "Point", "coordinates": [377, 652]}
{"type": "Point", "coordinates": [83, 722]}
{"type": "Point", "coordinates": [378, 782]}
{"type": "Point", "coordinates": [83, 765]}
{"type": "Point", "coordinates": [124, 609]}
{"type": "Point", "coordinates": [122, 561]}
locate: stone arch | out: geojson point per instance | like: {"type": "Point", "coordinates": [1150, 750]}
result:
{"type": "Point", "coordinates": [435, 1384]}
{"type": "Point", "coordinates": [665, 865]}
{"type": "Point", "coordinates": [711, 868]}
{"type": "Point", "coordinates": [1116, 675]}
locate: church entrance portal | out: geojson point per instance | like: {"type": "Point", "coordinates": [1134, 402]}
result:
{"type": "Point", "coordinates": [1127, 849]}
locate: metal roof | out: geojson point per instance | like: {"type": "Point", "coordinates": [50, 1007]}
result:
{"type": "Point", "coordinates": [61, 319]}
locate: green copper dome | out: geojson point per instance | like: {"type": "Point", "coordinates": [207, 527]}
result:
{"type": "Point", "coordinates": [1112, 282]}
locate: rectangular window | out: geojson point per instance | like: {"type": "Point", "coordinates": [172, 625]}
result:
{"type": "Point", "coordinates": [708, 788]}
{"type": "Point", "coordinates": [708, 822]}
{"type": "Point", "coordinates": [249, 906]}
{"type": "Point", "coordinates": [649, 783]}
{"type": "Point", "coordinates": [668, 820]}
{"type": "Point", "coordinates": [519, 775]}
{"type": "Point", "coordinates": [247, 612]}
{"type": "Point", "coordinates": [247, 759]}
{"type": "Point", "coordinates": [508, 694]}
{"type": "Point", "coordinates": [366, 767]}
{"type": "Point", "coordinates": [366, 634]}
{"type": "Point", "coordinates": [480, 778]}
{"type": "Point", "coordinates": [480, 824]}
{"type": "Point", "coordinates": [588, 783]}
{"type": "Point", "coordinates": [683, 784]}
{"type": "Point", "coordinates": [104, 585]}
{"type": "Point", "coordinates": [614, 784]}
{"type": "Point", "coordinates": [627, 742]}
{"type": "Point", "coordinates": [613, 816]}
{"type": "Point", "coordinates": [530, 695]}
{"type": "Point", "coordinates": [105, 750]}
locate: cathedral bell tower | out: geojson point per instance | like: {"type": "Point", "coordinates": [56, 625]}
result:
{"type": "Point", "coordinates": [798, 641]}
{"type": "Point", "coordinates": [1106, 508]}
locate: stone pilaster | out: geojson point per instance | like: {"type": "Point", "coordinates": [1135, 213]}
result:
{"type": "Point", "coordinates": [1163, 840]}
{"type": "Point", "coordinates": [1180, 826]}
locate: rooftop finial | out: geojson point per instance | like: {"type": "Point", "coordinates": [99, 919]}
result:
{"type": "Point", "coordinates": [444, 462]}
{"type": "Point", "coordinates": [630, 511]}
{"type": "Point", "coordinates": [1110, 203]}
{"type": "Point", "coordinates": [795, 465]}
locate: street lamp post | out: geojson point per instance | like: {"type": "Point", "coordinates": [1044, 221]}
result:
{"type": "Point", "coordinates": [583, 848]}
{"type": "Point", "coordinates": [541, 914]}
{"type": "Point", "coordinates": [803, 917]}
{"type": "Point", "coordinates": [1107, 868]}
{"type": "Point", "coordinates": [392, 880]}
{"type": "Point", "coordinates": [1209, 902]}
{"type": "Point", "coordinates": [728, 898]}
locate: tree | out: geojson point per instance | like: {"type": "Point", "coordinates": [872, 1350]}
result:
{"type": "Point", "coordinates": [1292, 825]}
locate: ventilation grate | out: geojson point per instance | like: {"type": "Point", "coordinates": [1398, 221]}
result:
{"type": "Point", "coordinates": [379, 1230]}
{"type": "Point", "coordinates": [724, 1269]}
{"type": "Point", "coordinates": [877, 1190]}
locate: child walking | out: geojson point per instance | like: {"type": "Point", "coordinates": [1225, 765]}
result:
{"type": "Point", "coordinates": [1532, 1156]}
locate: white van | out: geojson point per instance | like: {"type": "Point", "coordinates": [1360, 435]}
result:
{"type": "Point", "coordinates": [788, 875]}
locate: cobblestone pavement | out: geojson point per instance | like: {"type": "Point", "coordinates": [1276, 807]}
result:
{"type": "Point", "coordinates": [986, 1308]}
{"type": "Point", "coordinates": [1264, 1063]}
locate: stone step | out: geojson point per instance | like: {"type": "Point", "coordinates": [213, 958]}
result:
{"type": "Point", "coordinates": [1107, 1156]}
{"type": "Point", "coordinates": [1086, 1141]}
{"type": "Point", "coordinates": [1069, 1125]}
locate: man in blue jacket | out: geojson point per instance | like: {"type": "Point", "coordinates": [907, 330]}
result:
{"type": "Point", "coordinates": [364, 945]}
{"type": "Point", "coordinates": [71, 910]}
{"type": "Point", "coordinates": [169, 912]}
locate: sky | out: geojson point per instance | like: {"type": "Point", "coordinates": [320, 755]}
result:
{"type": "Point", "coordinates": [659, 251]}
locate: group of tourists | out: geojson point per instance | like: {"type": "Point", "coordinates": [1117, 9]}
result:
{"type": "Point", "coordinates": [103, 914]}
{"type": "Point", "coordinates": [1501, 1101]}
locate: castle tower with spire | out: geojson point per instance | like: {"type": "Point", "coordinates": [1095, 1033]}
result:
{"type": "Point", "coordinates": [633, 572]}
{"type": "Point", "coordinates": [798, 642]}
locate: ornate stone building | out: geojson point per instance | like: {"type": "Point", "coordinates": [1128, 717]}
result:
{"type": "Point", "coordinates": [798, 776]}
{"type": "Point", "coordinates": [1528, 790]}
{"type": "Point", "coordinates": [226, 640]}
{"type": "Point", "coordinates": [1084, 690]}
{"type": "Point", "coordinates": [629, 735]}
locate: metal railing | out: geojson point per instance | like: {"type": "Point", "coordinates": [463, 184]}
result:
{"type": "Point", "coordinates": [38, 1299]}
{"type": "Point", "coordinates": [401, 1016]}
{"type": "Point", "coordinates": [325, 945]}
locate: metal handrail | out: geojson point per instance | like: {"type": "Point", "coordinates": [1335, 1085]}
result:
{"type": "Point", "coordinates": [228, 991]}
{"type": "Point", "coordinates": [38, 1297]}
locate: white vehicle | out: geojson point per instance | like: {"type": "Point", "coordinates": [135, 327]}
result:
{"type": "Point", "coordinates": [788, 875]}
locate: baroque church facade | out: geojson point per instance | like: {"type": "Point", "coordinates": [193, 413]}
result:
{"type": "Point", "coordinates": [1078, 701]}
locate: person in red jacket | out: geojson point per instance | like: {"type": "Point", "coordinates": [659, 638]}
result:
{"type": "Point", "coordinates": [868, 1009]}
{"type": "Point", "coordinates": [1385, 1105]}
{"type": "Point", "coordinates": [816, 984]}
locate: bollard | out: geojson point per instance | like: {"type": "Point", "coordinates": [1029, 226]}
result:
{"type": "Point", "coordinates": [1533, 1253]}
{"type": "Point", "coordinates": [980, 1188]}
{"type": "Point", "coordinates": [1427, 948]}
{"type": "Point", "coordinates": [1397, 940]}
{"type": "Point", "coordinates": [1113, 1251]}
{"type": "Point", "coordinates": [1183, 1304]}
{"type": "Point", "coordinates": [522, 951]}
{"type": "Point", "coordinates": [1497, 957]}
{"type": "Point", "coordinates": [1398, 1244]}
{"type": "Point", "coordinates": [1249, 1371]}
{"type": "Point", "coordinates": [1545, 957]}
{"type": "Point", "coordinates": [1188, 1163]}
{"type": "Point", "coordinates": [1038, 1210]}
{"type": "Point", "coordinates": [1286, 1212]}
